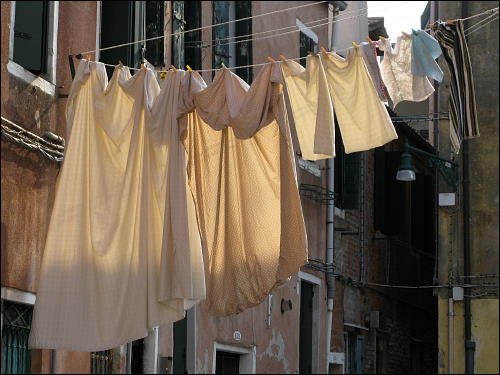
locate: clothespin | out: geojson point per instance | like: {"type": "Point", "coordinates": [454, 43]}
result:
{"type": "Point", "coordinates": [189, 68]}
{"type": "Point", "coordinates": [120, 64]}
{"type": "Point", "coordinates": [354, 44]}
{"type": "Point", "coordinates": [323, 51]}
{"type": "Point", "coordinates": [449, 22]}
{"type": "Point", "coordinates": [282, 58]}
{"type": "Point", "coordinates": [224, 66]}
{"type": "Point", "coordinates": [173, 68]}
{"type": "Point", "coordinates": [369, 40]}
{"type": "Point", "coordinates": [88, 57]}
{"type": "Point", "coordinates": [270, 59]}
{"type": "Point", "coordinates": [406, 35]}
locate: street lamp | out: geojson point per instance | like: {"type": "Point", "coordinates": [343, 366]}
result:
{"type": "Point", "coordinates": [447, 168]}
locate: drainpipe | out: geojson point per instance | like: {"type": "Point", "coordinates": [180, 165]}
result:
{"type": "Point", "coordinates": [451, 315]}
{"type": "Point", "coordinates": [470, 346]}
{"type": "Point", "coordinates": [330, 245]}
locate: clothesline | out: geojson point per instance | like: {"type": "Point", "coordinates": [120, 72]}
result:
{"type": "Point", "coordinates": [251, 17]}
{"type": "Point", "coordinates": [359, 11]}
{"type": "Point", "coordinates": [205, 27]}
{"type": "Point", "coordinates": [490, 11]}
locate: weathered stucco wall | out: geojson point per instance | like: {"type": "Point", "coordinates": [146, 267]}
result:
{"type": "Point", "coordinates": [483, 182]}
{"type": "Point", "coordinates": [27, 179]}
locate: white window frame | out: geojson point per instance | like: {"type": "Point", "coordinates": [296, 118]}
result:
{"type": "Point", "coordinates": [45, 82]}
{"type": "Point", "coordinates": [18, 296]}
{"type": "Point", "coordinates": [316, 282]}
{"type": "Point", "coordinates": [306, 30]}
{"type": "Point", "coordinates": [247, 356]}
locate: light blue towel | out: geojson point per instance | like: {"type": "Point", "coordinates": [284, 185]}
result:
{"type": "Point", "coordinates": [424, 52]}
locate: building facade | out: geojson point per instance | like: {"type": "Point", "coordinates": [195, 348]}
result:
{"type": "Point", "coordinates": [383, 233]}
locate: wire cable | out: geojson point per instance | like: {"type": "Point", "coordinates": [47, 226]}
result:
{"type": "Point", "coordinates": [204, 27]}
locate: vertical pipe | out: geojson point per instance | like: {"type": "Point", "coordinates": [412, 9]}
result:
{"type": "Point", "coordinates": [451, 314]}
{"type": "Point", "coordinates": [470, 346]}
{"type": "Point", "coordinates": [330, 246]}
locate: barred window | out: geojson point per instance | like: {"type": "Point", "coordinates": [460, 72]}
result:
{"type": "Point", "coordinates": [16, 357]}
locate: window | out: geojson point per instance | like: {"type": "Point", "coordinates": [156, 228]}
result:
{"type": "Point", "coordinates": [186, 48]}
{"type": "Point", "coordinates": [128, 21]}
{"type": "Point", "coordinates": [16, 357]}
{"type": "Point", "coordinates": [354, 347]}
{"type": "Point", "coordinates": [30, 35]}
{"type": "Point", "coordinates": [346, 174]}
{"type": "Point", "coordinates": [308, 41]}
{"type": "Point", "coordinates": [101, 362]}
{"type": "Point", "coordinates": [227, 363]}
{"type": "Point", "coordinates": [180, 346]}
{"type": "Point", "coordinates": [306, 327]}
{"type": "Point", "coordinates": [233, 359]}
{"type": "Point", "coordinates": [33, 43]}
{"type": "Point", "coordinates": [232, 54]}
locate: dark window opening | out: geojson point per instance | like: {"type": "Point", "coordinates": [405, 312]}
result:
{"type": "Point", "coordinates": [154, 28]}
{"type": "Point", "coordinates": [232, 54]}
{"type": "Point", "coordinates": [137, 362]}
{"type": "Point", "coordinates": [346, 174]}
{"type": "Point", "coordinates": [355, 353]}
{"type": "Point", "coordinates": [30, 35]}
{"type": "Point", "coordinates": [180, 346]}
{"type": "Point", "coordinates": [122, 22]}
{"type": "Point", "coordinates": [192, 41]}
{"type": "Point", "coordinates": [16, 356]}
{"type": "Point", "coordinates": [227, 363]}
{"type": "Point", "coordinates": [101, 362]}
{"type": "Point", "coordinates": [306, 45]}
{"type": "Point", "coordinates": [306, 327]}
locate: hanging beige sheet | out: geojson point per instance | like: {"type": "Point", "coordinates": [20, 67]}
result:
{"type": "Point", "coordinates": [362, 117]}
{"type": "Point", "coordinates": [311, 108]}
{"type": "Point", "coordinates": [331, 83]}
{"type": "Point", "coordinates": [112, 266]}
{"type": "Point", "coordinates": [242, 174]}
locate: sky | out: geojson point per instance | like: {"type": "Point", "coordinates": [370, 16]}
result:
{"type": "Point", "coordinates": [398, 15]}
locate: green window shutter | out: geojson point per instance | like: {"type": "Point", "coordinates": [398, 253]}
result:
{"type": "Point", "coordinates": [178, 40]}
{"type": "Point", "coordinates": [244, 49]}
{"type": "Point", "coordinates": [192, 44]}
{"type": "Point", "coordinates": [220, 49]}
{"type": "Point", "coordinates": [30, 35]}
{"type": "Point", "coordinates": [350, 188]}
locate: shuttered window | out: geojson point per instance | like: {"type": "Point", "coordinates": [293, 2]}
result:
{"type": "Point", "coordinates": [306, 45]}
{"type": "Point", "coordinates": [232, 54]}
{"type": "Point", "coordinates": [122, 22]}
{"type": "Point", "coordinates": [30, 35]}
{"type": "Point", "coordinates": [346, 174]}
{"type": "Point", "coordinates": [16, 357]}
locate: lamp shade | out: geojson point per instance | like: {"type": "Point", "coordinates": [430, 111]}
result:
{"type": "Point", "coordinates": [405, 171]}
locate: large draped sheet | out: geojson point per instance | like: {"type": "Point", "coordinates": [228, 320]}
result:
{"type": "Point", "coordinates": [164, 191]}
{"type": "Point", "coordinates": [329, 84]}
{"type": "Point", "coordinates": [112, 266]}
{"type": "Point", "coordinates": [241, 171]}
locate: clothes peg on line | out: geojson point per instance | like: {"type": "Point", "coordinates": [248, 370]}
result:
{"type": "Point", "coordinates": [324, 51]}
{"type": "Point", "coordinates": [270, 59]}
{"type": "Point", "coordinates": [282, 58]}
{"type": "Point", "coordinates": [369, 40]}
{"type": "Point", "coordinates": [120, 64]}
{"type": "Point", "coordinates": [354, 44]}
{"type": "Point", "coordinates": [173, 68]}
{"type": "Point", "coordinates": [189, 68]}
{"type": "Point", "coordinates": [406, 34]}
{"type": "Point", "coordinates": [224, 66]}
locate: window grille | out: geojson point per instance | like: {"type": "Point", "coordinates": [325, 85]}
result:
{"type": "Point", "coordinates": [101, 362]}
{"type": "Point", "coordinates": [16, 357]}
